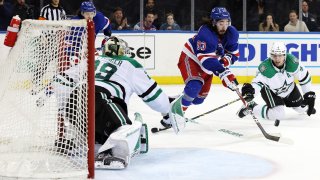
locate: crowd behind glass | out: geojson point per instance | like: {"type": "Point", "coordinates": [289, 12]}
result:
{"type": "Point", "coordinates": [185, 15]}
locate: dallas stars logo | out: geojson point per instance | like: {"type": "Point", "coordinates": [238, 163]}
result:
{"type": "Point", "coordinates": [284, 88]}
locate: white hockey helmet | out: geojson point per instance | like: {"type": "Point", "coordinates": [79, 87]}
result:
{"type": "Point", "coordinates": [278, 48]}
{"type": "Point", "coordinates": [115, 46]}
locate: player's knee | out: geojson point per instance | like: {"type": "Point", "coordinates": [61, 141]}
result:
{"type": "Point", "coordinates": [193, 88]}
{"type": "Point", "coordinates": [299, 109]}
{"type": "Point", "coordinates": [191, 91]}
{"type": "Point", "coordinates": [276, 113]}
{"type": "Point", "coordinates": [198, 100]}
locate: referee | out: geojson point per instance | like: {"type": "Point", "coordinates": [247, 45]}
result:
{"type": "Point", "coordinates": [53, 12]}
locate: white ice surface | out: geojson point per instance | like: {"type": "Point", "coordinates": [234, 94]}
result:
{"type": "Point", "coordinates": [205, 151]}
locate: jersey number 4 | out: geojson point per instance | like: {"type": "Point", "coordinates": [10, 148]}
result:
{"type": "Point", "coordinates": [104, 70]}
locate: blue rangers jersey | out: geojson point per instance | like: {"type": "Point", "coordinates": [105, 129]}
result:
{"type": "Point", "coordinates": [207, 45]}
{"type": "Point", "coordinates": [101, 23]}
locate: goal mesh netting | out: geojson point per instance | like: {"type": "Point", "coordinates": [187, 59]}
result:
{"type": "Point", "coordinates": [44, 102]}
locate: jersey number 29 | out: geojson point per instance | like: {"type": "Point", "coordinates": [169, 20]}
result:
{"type": "Point", "coordinates": [104, 70]}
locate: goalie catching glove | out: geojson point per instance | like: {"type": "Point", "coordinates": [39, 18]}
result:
{"type": "Point", "coordinates": [228, 79]}
{"type": "Point", "coordinates": [308, 100]}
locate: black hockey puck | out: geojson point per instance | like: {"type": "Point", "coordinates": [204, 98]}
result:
{"type": "Point", "coordinates": [276, 122]}
{"type": "Point", "coordinates": [154, 130]}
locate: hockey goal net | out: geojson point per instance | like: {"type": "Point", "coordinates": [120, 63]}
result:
{"type": "Point", "coordinates": [47, 102]}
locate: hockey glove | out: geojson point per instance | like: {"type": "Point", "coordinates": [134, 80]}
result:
{"type": "Point", "coordinates": [247, 92]}
{"type": "Point", "coordinates": [226, 60]}
{"type": "Point", "coordinates": [308, 99]}
{"type": "Point", "coordinates": [228, 79]}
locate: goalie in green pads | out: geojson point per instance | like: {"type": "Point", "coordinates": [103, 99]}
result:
{"type": "Point", "coordinates": [117, 77]}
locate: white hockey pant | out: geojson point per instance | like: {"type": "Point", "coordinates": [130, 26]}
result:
{"type": "Point", "coordinates": [301, 109]}
{"type": "Point", "coordinates": [272, 114]}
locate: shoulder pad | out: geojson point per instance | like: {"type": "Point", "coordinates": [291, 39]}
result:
{"type": "Point", "coordinates": [98, 13]}
{"type": "Point", "coordinates": [266, 68]}
{"type": "Point", "coordinates": [207, 37]}
{"type": "Point", "coordinates": [233, 33]}
{"type": "Point", "coordinates": [292, 63]}
{"type": "Point", "coordinates": [204, 29]}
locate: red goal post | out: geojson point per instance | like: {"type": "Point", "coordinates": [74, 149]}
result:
{"type": "Point", "coordinates": [47, 102]}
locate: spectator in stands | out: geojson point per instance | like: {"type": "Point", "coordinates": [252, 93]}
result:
{"type": "Point", "coordinates": [119, 21]}
{"type": "Point", "coordinates": [53, 12]}
{"type": "Point", "coordinates": [170, 24]}
{"type": "Point", "coordinates": [151, 6]}
{"type": "Point", "coordinates": [255, 11]}
{"type": "Point", "coordinates": [308, 18]}
{"type": "Point", "coordinates": [268, 24]}
{"type": "Point", "coordinates": [294, 24]}
{"type": "Point", "coordinates": [24, 10]}
{"type": "Point", "coordinates": [147, 23]}
{"type": "Point", "coordinates": [5, 14]}
{"type": "Point", "coordinates": [235, 7]}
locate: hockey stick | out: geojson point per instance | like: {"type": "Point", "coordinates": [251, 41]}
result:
{"type": "Point", "coordinates": [155, 129]}
{"type": "Point", "coordinates": [265, 134]}
{"type": "Point", "coordinates": [215, 109]}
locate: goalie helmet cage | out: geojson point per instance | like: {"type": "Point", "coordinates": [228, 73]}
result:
{"type": "Point", "coordinates": [47, 102]}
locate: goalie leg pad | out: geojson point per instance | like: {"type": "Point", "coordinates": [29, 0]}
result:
{"type": "Point", "coordinates": [176, 115]}
{"type": "Point", "coordinates": [125, 142]}
{"type": "Point", "coordinates": [144, 139]}
{"type": "Point", "coordinates": [143, 142]}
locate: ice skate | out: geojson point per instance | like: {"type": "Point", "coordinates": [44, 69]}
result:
{"type": "Point", "coordinates": [105, 160]}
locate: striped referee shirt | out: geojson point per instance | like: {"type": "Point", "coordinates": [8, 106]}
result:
{"type": "Point", "coordinates": [50, 12]}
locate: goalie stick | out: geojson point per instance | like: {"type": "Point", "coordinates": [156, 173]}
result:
{"type": "Point", "coordinates": [265, 134]}
{"type": "Point", "coordinates": [155, 129]}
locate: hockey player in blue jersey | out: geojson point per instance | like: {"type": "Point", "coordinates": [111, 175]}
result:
{"type": "Point", "coordinates": [72, 41]}
{"type": "Point", "coordinates": [211, 51]}
{"type": "Point", "coordinates": [88, 11]}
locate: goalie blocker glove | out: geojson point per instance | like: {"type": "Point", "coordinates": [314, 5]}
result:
{"type": "Point", "coordinates": [308, 100]}
{"type": "Point", "coordinates": [247, 92]}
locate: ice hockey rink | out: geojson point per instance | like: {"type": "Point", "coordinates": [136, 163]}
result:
{"type": "Point", "coordinates": [221, 146]}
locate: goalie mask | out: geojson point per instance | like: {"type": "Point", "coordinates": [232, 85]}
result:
{"type": "Point", "coordinates": [115, 47]}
